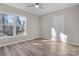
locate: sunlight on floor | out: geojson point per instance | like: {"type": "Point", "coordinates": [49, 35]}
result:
{"type": "Point", "coordinates": [53, 34]}
{"type": "Point", "coordinates": [63, 37]}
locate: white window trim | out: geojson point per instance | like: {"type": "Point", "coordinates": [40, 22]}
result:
{"type": "Point", "coordinates": [5, 12]}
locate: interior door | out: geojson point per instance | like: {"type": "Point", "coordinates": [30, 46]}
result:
{"type": "Point", "coordinates": [58, 24]}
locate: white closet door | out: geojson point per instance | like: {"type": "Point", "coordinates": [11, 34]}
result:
{"type": "Point", "coordinates": [58, 25]}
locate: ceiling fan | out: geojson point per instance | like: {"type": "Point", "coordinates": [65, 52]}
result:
{"type": "Point", "coordinates": [36, 5]}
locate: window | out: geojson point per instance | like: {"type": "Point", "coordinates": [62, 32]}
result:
{"type": "Point", "coordinates": [8, 25]}
{"type": "Point", "coordinates": [20, 25]}
{"type": "Point", "coordinates": [11, 25]}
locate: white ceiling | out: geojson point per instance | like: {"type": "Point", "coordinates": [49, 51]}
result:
{"type": "Point", "coordinates": [48, 7]}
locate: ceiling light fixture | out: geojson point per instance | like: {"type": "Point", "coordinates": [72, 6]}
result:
{"type": "Point", "coordinates": [37, 6]}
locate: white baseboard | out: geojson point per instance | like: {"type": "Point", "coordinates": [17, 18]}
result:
{"type": "Point", "coordinates": [70, 43]}
{"type": "Point", "coordinates": [32, 38]}
{"type": "Point", "coordinates": [75, 44]}
{"type": "Point", "coordinates": [24, 39]}
{"type": "Point", "coordinates": [45, 37]}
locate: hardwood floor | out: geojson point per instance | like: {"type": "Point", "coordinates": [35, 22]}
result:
{"type": "Point", "coordinates": [39, 47]}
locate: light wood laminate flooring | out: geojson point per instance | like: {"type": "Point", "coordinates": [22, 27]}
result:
{"type": "Point", "coordinates": [39, 47]}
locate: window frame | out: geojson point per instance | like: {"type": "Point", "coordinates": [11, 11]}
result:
{"type": "Point", "coordinates": [8, 13]}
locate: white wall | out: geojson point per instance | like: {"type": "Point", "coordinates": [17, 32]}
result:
{"type": "Point", "coordinates": [71, 24]}
{"type": "Point", "coordinates": [41, 26]}
{"type": "Point", "coordinates": [32, 25]}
